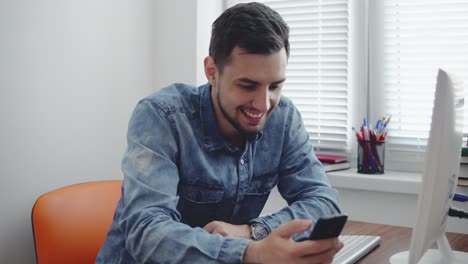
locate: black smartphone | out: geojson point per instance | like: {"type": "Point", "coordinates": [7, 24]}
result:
{"type": "Point", "coordinates": [327, 227]}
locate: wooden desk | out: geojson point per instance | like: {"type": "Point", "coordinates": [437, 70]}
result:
{"type": "Point", "coordinates": [394, 239]}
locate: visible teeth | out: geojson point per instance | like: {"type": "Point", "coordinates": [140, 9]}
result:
{"type": "Point", "coordinates": [250, 114]}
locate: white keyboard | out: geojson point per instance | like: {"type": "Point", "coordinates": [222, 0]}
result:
{"type": "Point", "coordinates": [355, 247]}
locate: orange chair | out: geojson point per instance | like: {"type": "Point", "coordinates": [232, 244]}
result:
{"type": "Point", "coordinates": [70, 224]}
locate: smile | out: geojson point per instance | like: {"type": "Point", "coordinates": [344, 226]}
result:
{"type": "Point", "coordinates": [252, 115]}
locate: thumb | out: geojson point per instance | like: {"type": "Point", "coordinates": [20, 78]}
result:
{"type": "Point", "coordinates": [295, 226]}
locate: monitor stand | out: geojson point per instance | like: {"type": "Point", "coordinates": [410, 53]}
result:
{"type": "Point", "coordinates": [443, 255]}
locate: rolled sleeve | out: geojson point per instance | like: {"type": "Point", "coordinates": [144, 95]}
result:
{"type": "Point", "coordinates": [232, 250]}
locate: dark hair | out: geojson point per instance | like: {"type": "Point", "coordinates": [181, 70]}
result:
{"type": "Point", "coordinates": [252, 26]}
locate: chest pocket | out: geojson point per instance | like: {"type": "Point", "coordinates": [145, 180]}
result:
{"type": "Point", "coordinates": [199, 203]}
{"type": "Point", "coordinates": [263, 184]}
{"type": "Point", "coordinates": [257, 194]}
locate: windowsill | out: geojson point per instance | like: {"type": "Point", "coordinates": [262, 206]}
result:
{"type": "Point", "coordinates": [390, 181]}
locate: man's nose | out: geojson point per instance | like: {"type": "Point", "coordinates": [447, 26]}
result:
{"type": "Point", "coordinates": [262, 100]}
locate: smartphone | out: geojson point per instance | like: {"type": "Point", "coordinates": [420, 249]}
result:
{"type": "Point", "coordinates": [327, 227]}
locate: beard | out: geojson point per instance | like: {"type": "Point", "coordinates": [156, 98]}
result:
{"type": "Point", "coordinates": [234, 122]}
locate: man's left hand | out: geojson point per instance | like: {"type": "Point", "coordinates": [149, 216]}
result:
{"type": "Point", "coordinates": [228, 230]}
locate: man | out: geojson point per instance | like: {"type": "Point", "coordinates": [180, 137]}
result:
{"type": "Point", "coordinates": [201, 162]}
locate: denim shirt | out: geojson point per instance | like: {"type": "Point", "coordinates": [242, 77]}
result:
{"type": "Point", "coordinates": [180, 174]}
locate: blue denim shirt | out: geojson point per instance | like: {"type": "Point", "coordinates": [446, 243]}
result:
{"type": "Point", "coordinates": [180, 174]}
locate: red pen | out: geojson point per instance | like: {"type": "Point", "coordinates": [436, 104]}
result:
{"type": "Point", "coordinates": [358, 136]}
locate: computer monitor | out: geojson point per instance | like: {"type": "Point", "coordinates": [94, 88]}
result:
{"type": "Point", "coordinates": [439, 178]}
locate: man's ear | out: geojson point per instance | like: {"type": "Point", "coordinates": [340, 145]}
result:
{"type": "Point", "coordinates": [211, 71]}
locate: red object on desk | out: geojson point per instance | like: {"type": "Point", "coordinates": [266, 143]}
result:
{"type": "Point", "coordinates": [328, 158]}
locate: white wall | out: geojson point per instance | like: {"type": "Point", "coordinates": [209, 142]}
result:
{"type": "Point", "coordinates": [176, 42]}
{"type": "Point", "coordinates": [207, 12]}
{"type": "Point", "coordinates": [70, 74]}
{"type": "Point", "coordinates": [183, 39]}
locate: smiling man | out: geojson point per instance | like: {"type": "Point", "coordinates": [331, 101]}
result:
{"type": "Point", "coordinates": [201, 162]}
{"type": "Point", "coordinates": [247, 91]}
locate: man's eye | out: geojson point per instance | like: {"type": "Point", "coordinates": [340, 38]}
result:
{"type": "Point", "coordinates": [248, 87]}
{"type": "Point", "coordinates": [274, 87]}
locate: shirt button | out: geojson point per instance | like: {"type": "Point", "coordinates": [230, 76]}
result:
{"type": "Point", "coordinates": [242, 161]}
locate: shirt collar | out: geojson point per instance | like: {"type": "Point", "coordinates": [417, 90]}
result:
{"type": "Point", "coordinates": [212, 137]}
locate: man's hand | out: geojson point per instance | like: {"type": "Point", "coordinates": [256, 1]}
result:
{"type": "Point", "coordinates": [278, 247]}
{"type": "Point", "coordinates": [228, 230]}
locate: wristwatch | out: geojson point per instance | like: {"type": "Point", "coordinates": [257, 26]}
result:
{"type": "Point", "coordinates": [258, 231]}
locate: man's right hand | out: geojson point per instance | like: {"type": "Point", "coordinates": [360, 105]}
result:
{"type": "Point", "coordinates": [278, 247]}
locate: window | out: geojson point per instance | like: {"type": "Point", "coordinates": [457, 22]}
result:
{"type": "Point", "coordinates": [409, 41]}
{"type": "Point", "coordinates": [401, 44]}
{"type": "Point", "coordinates": [317, 74]}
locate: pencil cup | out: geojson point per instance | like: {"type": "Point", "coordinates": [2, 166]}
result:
{"type": "Point", "coordinates": [371, 156]}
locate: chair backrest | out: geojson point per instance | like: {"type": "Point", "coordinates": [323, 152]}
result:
{"type": "Point", "coordinates": [70, 224]}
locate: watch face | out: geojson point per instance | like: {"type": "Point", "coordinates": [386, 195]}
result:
{"type": "Point", "coordinates": [259, 232]}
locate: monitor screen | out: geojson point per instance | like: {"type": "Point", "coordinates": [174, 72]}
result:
{"type": "Point", "coordinates": [439, 178]}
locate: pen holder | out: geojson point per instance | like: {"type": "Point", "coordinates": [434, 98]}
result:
{"type": "Point", "coordinates": [371, 156]}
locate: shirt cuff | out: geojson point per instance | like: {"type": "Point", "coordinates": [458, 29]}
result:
{"type": "Point", "coordinates": [232, 250]}
{"type": "Point", "coordinates": [268, 221]}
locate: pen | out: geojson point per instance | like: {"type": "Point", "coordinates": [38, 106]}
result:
{"type": "Point", "coordinates": [383, 136]}
{"type": "Point", "coordinates": [366, 128]}
{"type": "Point", "coordinates": [375, 155]}
{"type": "Point", "coordinates": [377, 125]}
{"type": "Point", "coordinates": [389, 118]}
{"type": "Point", "coordinates": [357, 134]}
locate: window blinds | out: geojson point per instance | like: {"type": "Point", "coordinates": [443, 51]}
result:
{"type": "Point", "coordinates": [419, 37]}
{"type": "Point", "coordinates": [317, 73]}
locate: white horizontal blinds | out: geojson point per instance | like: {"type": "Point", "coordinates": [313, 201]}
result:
{"type": "Point", "coordinates": [317, 73]}
{"type": "Point", "coordinates": [420, 36]}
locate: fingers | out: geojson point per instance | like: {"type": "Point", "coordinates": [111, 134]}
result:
{"type": "Point", "coordinates": [209, 227]}
{"type": "Point", "coordinates": [214, 227]}
{"type": "Point", "coordinates": [217, 227]}
{"type": "Point", "coordinates": [278, 247]}
{"type": "Point", "coordinates": [227, 230]}
{"type": "Point", "coordinates": [326, 255]}
{"type": "Point", "coordinates": [312, 250]}
{"type": "Point", "coordinates": [310, 247]}
{"type": "Point", "coordinates": [295, 226]}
